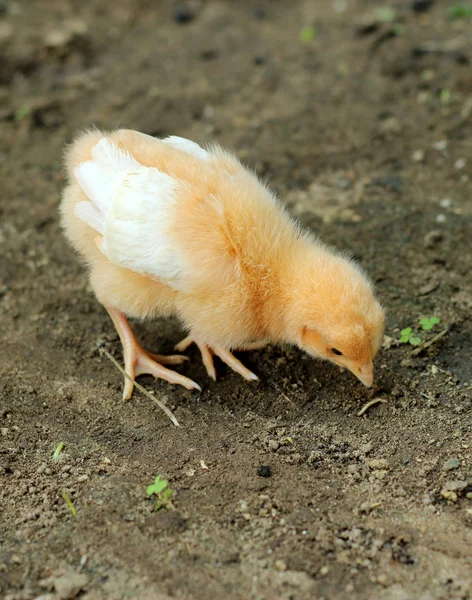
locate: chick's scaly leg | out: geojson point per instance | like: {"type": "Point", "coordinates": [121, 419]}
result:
{"type": "Point", "coordinates": [227, 357]}
{"type": "Point", "coordinates": [140, 362]}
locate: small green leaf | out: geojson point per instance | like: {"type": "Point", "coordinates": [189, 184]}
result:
{"type": "Point", "coordinates": [307, 34]}
{"type": "Point", "coordinates": [69, 503]}
{"type": "Point", "coordinates": [406, 331]}
{"type": "Point", "coordinates": [58, 451]}
{"type": "Point", "coordinates": [398, 29]}
{"type": "Point", "coordinates": [445, 96]}
{"type": "Point", "coordinates": [386, 14]}
{"type": "Point", "coordinates": [157, 487]}
{"type": "Point", "coordinates": [428, 324]}
{"type": "Point", "coordinates": [415, 341]}
{"type": "Point", "coordinates": [459, 11]}
{"type": "Point", "coordinates": [22, 113]}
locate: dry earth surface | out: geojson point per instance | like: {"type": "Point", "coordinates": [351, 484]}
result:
{"type": "Point", "coordinates": [363, 127]}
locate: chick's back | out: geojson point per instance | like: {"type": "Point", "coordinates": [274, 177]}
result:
{"type": "Point", "coordinates": [228, 228]}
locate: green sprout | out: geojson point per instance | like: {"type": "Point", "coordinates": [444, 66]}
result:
{"type": "Point", "coordinates": [162, 492]}
{"type": "Point", "coordinates": [460, 11]}
{"type": "Point", "coordinates": [307, 34]}
{"type": "Point", "coordinates": [385, 14]}
{"type": "Point", "coordinates": [408, 337]}
{"type": "Point", "coordinates": [69, 503]}
{"type": "Point", "coordinates": [58, 451]}
{"type": "Point", "coordinates": [429, 323]}
{"type": "Point", "coordinates": [22, 113]}
{"type": "Point", "coordinates": [445, 96]}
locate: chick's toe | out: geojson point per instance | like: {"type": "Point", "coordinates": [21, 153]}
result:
{"type": "Point", "coordinates": [207, 352]}
{"type": "Point", "coordinates": [140, 362]}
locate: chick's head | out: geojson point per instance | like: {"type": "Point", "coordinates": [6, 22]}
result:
{"type": "Point", "coordinates": [337, 316]}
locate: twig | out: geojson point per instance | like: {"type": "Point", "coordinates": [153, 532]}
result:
{"type": "Point", "coordinates": [425, 345]}
{"type": "Point", "coordinates": [162, 406]}
{"type": "Point", "coordinates": [369, 404]}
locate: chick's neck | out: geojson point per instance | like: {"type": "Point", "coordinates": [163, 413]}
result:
{"type": "Point", "coordinates": [285, 296]}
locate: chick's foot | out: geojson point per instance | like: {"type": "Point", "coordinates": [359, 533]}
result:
{"type": "Point", "coordinates": [140, 362]}
{"type": "Point", "coordinates": [227, 357]}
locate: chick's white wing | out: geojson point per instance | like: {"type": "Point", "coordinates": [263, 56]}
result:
{"type": "Point", "coordinates": [132, 207]}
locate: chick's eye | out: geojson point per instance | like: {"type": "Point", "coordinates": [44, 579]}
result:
{"type": "Point", "coordinates": [336, 351]}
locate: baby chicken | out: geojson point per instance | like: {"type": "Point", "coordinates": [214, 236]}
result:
{"type": "Point", "coordinates": [169, 228]}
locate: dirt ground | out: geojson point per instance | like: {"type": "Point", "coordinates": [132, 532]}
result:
{"type": "Point", "coordinates": [364, 129]}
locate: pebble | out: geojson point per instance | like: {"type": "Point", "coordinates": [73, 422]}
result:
{"type": "Point", "coordinates": [47, 471]}
{"type": "Point", "coordinates": [451, 464]}
{"type": "Point", "coordinates": [440, 146]}
{"type": "Point", "coordinates": [455, 485]}
{"type": "Point", "coordinates": [379, 474]}
{"type": "Point", "coordinates": [418, 155]}
{"type": "Point", "coordinates": [4, 431]}
{"type": "Point", "coordinates": [280, 565]}
{"type": "Point", "coordinates": [445, 203]}
{"type": "Point", "coordinates": [183, 14]}
{"type": "Point", "coordinates": [432, 238]}
{"type": "Point", "coordinates": [421, 5]}
{"type": "Point", "coordinates": [82, 478]}
{"type": "Point", "coordinates": [41, 469]}
{"type": "Point", "coordinates": [69, 585]}
{"type": "Point", "coordinates": [264, 471]}
{"type": "Point", "coordinates": [378, 463]}
{"type": "Point", "coordinates": [274, 445]}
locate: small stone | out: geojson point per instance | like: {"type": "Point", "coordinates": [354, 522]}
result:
{"type": "Point", "coordinates": [280, 565]}
{"type": "Point", "coordinates": [324, 570]}
{"type": "Point", "coordinates": [428, 288]}
{"type": "Point", "coordinates": [445, 203]}
{"type": "Point", "coordinates": [456, 485]}
{"type": "Point", "coordinates": [259, 13]}
{"type": "Point", "coordinates": [274, 445]}
{"type": "Point", "coordinates": [41, 469]}
{"type": "Point", "coordinates": [183, 14]}
{"type": "Point", "coordinates": [451, 464]}
{"type": "Point", "coordinates": [418, 155]}
{"type": "Point", "coordinates": [469, 495]}
{"type": "Point", "coordinates": [432, 238]}
{"type": "Point", "coordinates": [264, 471]}
{"type": "Point", "coordinates": [440, 218]}
{"type": "Point", "coordinates": [390, 125]}
{"type": "Point", "coordinates": [4, 431]}
{"type": "Point", "coordinates": [69, 585]}
{"type": "Point", "coordinates": [82, 478]}
{"type": "Point", "coordinates": [105, 461]}
{"type": "Point", "coordinates": [380, 474]}
{"type": "Point", "coordinates": [47, 471]}
{"type": "Point", "coordinates": [378, 463]}
{"type": "Point", "coordinates": [421, 5]}
{"type": "Point", "coordinates": [440, 146]}
{"type": "Point", "coordinates": [459, 164]}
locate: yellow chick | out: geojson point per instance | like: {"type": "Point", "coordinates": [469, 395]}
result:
{"type": "Point", "coordinates": [170, 228]}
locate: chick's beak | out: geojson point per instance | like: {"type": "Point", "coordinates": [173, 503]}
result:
{"type": "Point", "coordinates": [365, 373]}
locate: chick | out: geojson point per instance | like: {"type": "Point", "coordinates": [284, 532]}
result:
{"type": "Point", "coordinates": [169, 228]}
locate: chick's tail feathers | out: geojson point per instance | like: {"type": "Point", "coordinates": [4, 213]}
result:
{"type": "Point", "coordinates": [100, 179]}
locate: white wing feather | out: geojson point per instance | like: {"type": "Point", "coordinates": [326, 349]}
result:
{"type": "Point", "coordinates": [187, 146]}
{"type": "Point", "coordinates": [132, 207]}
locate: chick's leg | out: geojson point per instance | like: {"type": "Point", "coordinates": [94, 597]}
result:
{"type": "Point", "coordinates": [140, 362]}
{"type": "Point", "coordinates": [227, 357]}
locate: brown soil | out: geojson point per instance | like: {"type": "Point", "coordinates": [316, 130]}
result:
{"type": "Point", "coordinates": [365, 131]}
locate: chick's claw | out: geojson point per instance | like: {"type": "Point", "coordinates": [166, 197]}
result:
{"type": "Point", "coordinates": [226, 356]}
{"type": "Point", "coordinates": [140, 362]}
